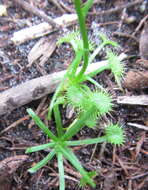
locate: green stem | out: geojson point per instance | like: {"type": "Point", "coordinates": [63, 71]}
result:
{"type": "Point", "coordinates": [94, 82]}
{"type": "Point", "coordinates": [75, 127]}
{"type": "Point", "coordinates": [86, 141]}
{"type": "Point", "coordinates": [58, 120]}
{"type": "Point", "coordinates": [84, 35]}
{"type": "Point", "coordinates": [87, 6]}
{"type": "Point", "coordinates": [75, 64]}
{"type": "Point", "coordinates": [58, 90]}
{"type": "Point", "coordinates": [61, 171]}
{"type": "Point", "coordinates": [97, 71]}
{"type": "Point", "coordinates": [71, 69]}
{"type": "Point", "coordinates": [97, 50]}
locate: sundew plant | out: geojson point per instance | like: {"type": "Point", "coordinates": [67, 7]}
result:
{"type": "Point", "coordinates": [89, 105]}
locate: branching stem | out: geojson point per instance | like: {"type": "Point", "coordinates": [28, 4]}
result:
{"type": "Point", "coordinates": [84, 35]}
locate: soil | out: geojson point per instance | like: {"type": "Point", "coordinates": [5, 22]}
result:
{"type": "Point", "coordinates": [119, 168]}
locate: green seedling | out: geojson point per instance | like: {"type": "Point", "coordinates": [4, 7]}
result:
{"type": "Point", "coordinates": [89, 105]}
{"type": "Point", "coordinates": [60, 144]}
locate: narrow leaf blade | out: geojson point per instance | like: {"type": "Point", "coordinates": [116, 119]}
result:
{"type": "Point", "coordinates": [61, 171]}
{"type": "Point", "coordinates": [40, 147]}
{"type": "Point", "coordinates": [42, 162]}
{"type": "Point", "coordinates": [41, 125]}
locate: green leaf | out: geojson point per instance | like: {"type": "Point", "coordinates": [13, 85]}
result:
{"type": "Point", "coordinates": [60, 100]}
{"type": "Point", "coordinates": [86, 141]}
{"type": "Point", "coordinates": [116, 67]}
{"type": "Point", "coordinates": [114, 134]}
{"type": "Point", "coordinates": [101, 101]}
{"type": "Point", "coordinates": [75, 162]}
{"type": "Point", "coordinates": [96, 52]}
{"type": "Point", "coordinates": [74, 39]}
{"type": "Point", "coordinates": [83, 181]}
{"type": "Point", "coordinates": [41, 125]}
{"type": "Point", "coordinates": [91, 121]}
{"type": "Point", "coordinates": [75, 95]}
{"type": "Point", "coordinates": [95, 83]}
{"type": "Point", "coordinates": [97, 71]}
{"type": "Point", "coordinates": [107, 41]}
{"type": "Point", "coordinates": [40, 147]}
{"type": "Point", "coordinates": [42, 162]}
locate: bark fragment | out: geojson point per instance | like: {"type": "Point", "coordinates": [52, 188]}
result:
{"type": "Point", "coordinates": [136, 80]}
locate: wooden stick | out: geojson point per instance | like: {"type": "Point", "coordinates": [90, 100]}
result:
{"type": "Point", "coordinates": [133, 100]}
{"type": "Point", "coordinates": [30, 8]}
{"type": "Point", "coordinates": [42, 29]}
{"type": "Point", "coordinates": [37, 88]}
{"type": "Point", "coordinates": [125, 35]}
{"type": "Point", "coordinates": [57, 4]}
{"type": "Point", "coordinates": [13, 125]}
{"type": "Point", "coordinates": [117, 9]}
{"type": "Point", "coordinates": [138, 126]}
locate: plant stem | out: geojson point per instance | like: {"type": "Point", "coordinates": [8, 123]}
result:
{"type": "Point", "coordinates": [58, 89]}
{"type": "Point", "coordinates": [84, 35]}
{"type": "Point", "coordinates": [75, 127]}
{"type": "Point", "coordinates": [87, 6]}
{"type": "Point", "coordinates": [86, 142]}
{"type": "Point", "coordinates": [97, 71]}
{"type": "Point", "coordinates": [75, 64]}
{"type": "Point", "coordinates": [94, 82]}
{"type": "Point", "coordinates": [97, 50]}
{"type": "Point", "coordinates": [58, 120]}
{"type": "Point", "coordinates": [61, 171]}
{"type": "Point", "coordinates": [70, 70]}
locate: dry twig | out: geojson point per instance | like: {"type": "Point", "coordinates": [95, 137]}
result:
{"type": "Point", "coordinates": [138, 126]}
{"type": "Point", "coordinates": [114, 10]}
{"type": "Point", "coordinates": [140, 24]}
{"type": "Point", "coordinates": [42, 29]}
{"type": "Point", "coordinates": [122, 165]}
{"type": "Point", "coordinates": [57, 4]}
{"type": "Point", "coordinates": [38, 111]}
{"type": "Point", "coordinates": [30, 8]}
{"type": "Point", "coordinates": [37, 88]}
{"type": "Point", "coordinates": [139, 145]}
{"type": "Point", "coordinates": [133, 100]}
{"type": "Point", "coordinates": [68, 9]}
{"type": "Point", "coordinates": [125, 35]}
{"type": "Point", "coordinates": [138, 176]}
{"type": "Point", "coordinates": [15, 124]}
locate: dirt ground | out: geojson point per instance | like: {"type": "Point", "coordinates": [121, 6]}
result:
{"type": "Point", "coordinates": [119, 168]}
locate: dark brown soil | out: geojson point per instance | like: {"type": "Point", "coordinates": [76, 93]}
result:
{"type": "Point", "coordinates": [119, 168]}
